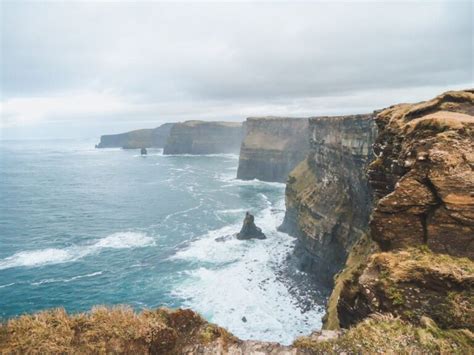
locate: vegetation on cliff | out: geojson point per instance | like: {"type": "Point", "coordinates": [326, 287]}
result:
{"type": "Point", "coordinates": [327, 195]}
{"type": "Point", "coordinates": [382, 334]}
{"type": "Point", "coordinates": [109, 330]}
{"type": "Point", "coordinates": [423, 220]}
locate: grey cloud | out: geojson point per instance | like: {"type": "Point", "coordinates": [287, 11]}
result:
{"type": "Point", "coordinates": [253, 54]}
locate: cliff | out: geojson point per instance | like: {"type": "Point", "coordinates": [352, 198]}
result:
{"type": "Point", "coordinates": [408, 281]}
{"type": "Point", "coordinates": [142, 138]}
{"type": "Point", "coordinates": [272, 147]}
{"type": "Point", "coordinates": [421, 268]}
{"type": "Point", "coordinates": [201, 137]}
{"type": "Point", "coordinates": [328, 200]}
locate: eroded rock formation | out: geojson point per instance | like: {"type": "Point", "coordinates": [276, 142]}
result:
{"type": "Point", "coordinates": [422, 220]}
{"type": "Point", "coordinates": [327, 195]}
{"type": "Point", "coordinates": [249, 229]}
{"type": "Point", "coordinates": [142, 138]}
{"type": "Point", "coordinates": [201, 137]}
{"type": "Point", "coordinates": [423, 175]}
{"type": "Point", "coordinates": [272, 147]}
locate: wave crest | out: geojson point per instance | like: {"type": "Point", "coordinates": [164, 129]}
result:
{"type": "Point", "coordinates": [40, 257]}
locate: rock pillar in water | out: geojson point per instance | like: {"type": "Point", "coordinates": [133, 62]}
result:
{"type": "Point", "coordinates": [249, 229]}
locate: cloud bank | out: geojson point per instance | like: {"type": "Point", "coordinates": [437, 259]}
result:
{"type": "Point", "coordinates": [123, 65]}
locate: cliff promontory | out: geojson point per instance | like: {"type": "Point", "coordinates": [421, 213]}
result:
{"type": "Point", "coordinates": [328, 199]}
{"type": "Point", "coordinates": [422, 220]}
{"type": "Point", "coordinates": [272, 147]}
{"type": "Point", "coordinates": [141, 138]}
{"type": "Point", "coordinates": [202, 137]}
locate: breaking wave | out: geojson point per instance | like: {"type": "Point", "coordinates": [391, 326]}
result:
{"type": "Point", "coordinates": [40, 257]}
{"type": "Point", "coordinates": [236, 283]}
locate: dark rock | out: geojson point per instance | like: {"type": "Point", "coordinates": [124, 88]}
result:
{"type": "Point", "coordinates": [328, 200]}
{"type": "Point", "coordinates": [143, 151]}
{"type": "Point", "coordinates": [244, 319]}
{"type": "Point", "coordinates": [249, 229]}
{"type": "Point", "coordinates": [224, 238]}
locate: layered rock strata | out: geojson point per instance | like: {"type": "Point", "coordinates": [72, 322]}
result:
{"type": "Point", "coordinates": [201, 137]}
{"type": "Point", "coordinates": [422, 220]}
{"type": "Point", "coordinates": [423, 175]}
{"type": "Point", "coordinates": [272, 147]}
{"type": "Point", "coordinates": [141, 138]}
{"type": "Point", "coordinates": [328, 200]}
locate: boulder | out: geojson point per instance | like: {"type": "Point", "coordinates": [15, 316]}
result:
{"type": "Point", "coordinates": [143, 151]}
{"type": "Point", "coordinates": [249, 229]}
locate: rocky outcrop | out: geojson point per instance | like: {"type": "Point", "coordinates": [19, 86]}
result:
{"type": "Point", "coordinates": [142, 138]}
{"type": "Point", "coordinates": [422, 220]}
{"type": "Point", "coordinates": [328, 200]}
{"type": "Point", "coordinates": [272, 147]}
{"type": "Point", "coordinates": [201, 137]}
{"type": "Point", "coordinates": [423, 176]}
{"type": "Point", "coordinates": [411, 284]}
{"type": "Point", "coordinates": [249, 229]}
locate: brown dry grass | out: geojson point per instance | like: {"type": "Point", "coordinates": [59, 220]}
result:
{"type": "Point", "coordinates": [106, 330]}
{"type": "Point", "coordinates": [383, 334]}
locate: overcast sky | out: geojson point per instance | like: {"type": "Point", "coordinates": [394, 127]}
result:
{"type": "Point", "coordinates": [81, 69]}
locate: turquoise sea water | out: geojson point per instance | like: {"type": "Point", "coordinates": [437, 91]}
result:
{"type": "Point", "coordinates": [81, 226]}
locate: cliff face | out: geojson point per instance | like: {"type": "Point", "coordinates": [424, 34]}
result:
{"type": "Point", "coordinates": [142, 138]}
{"type": "Point", "coordinates": [423, 176]}
{"type": "Point", "coordinates": [272, 147]}
{"type": "Point", "coordinates": [327, 196]}
{"type": "Point", "coordinates": [423, 220]}
{"type": "Point", "coordinates": [200, 137]}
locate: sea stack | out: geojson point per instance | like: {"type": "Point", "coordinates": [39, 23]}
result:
{"type": "Point", "coordinates": [249, 229]}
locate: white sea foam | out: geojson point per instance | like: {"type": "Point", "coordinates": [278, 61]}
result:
{"type": "Point", "coordinates": [231, 180]}
{"type": "Point", "coordinates": [242, 282]}
{"type": "Point", "coordinates": [7, 285]}
{"type": "Point", "coordinates": [231, 211]}
{"type": "Point", "coordinates": [34, 258]}
{"type": "Point", "coordinates": [124, 240]}
{"type": "Point", "coordinates": [47, 281]}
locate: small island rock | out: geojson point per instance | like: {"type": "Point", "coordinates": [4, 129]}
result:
{"type": "Point", "coordinates": [249, 229]}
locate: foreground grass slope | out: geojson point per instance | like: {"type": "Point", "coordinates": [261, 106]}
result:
{"type": "Point", "coordinates": [108, 330]}
{"type": "Point", "coordinates": [120, 330]}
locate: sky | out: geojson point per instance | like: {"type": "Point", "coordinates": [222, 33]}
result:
{"type": "Point", "coordinates": [75, 69]}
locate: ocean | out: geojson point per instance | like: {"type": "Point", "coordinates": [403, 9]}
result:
{"type": "Point", "coordinates": [81, 227]}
